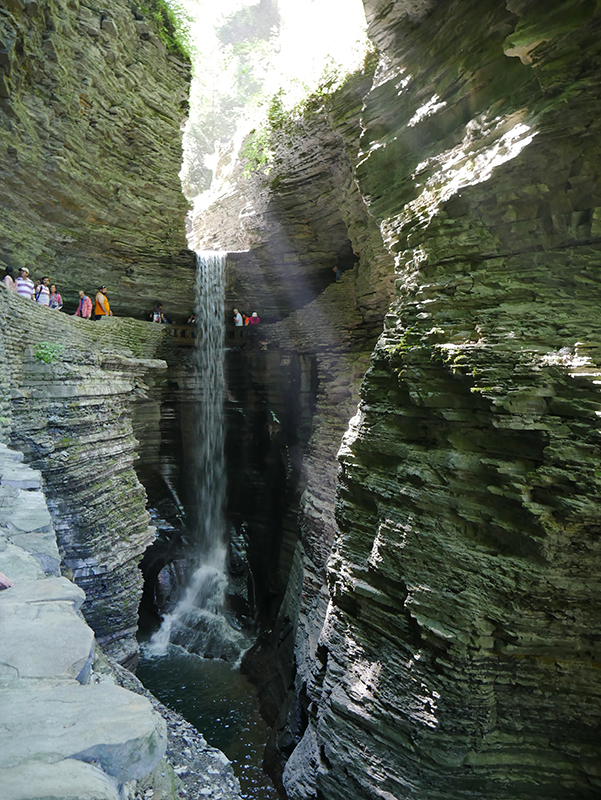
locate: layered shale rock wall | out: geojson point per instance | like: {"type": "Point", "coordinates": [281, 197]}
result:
{"type": "Point", "coordinates": [301, 220]}
{"type": "Point", "coordinates": [453, 649]}
{"type": "Point", "coordinates": [91, 105]}
{"type": "Point", "coordinates": [72, 418]}
{"type": "Point", "coordinates": [300, 215]}
{"type": "Point", "coordinates": [67, 730]}
{"type": "Point", "coordinates": [49, 689]}
{"type": "Point", "coordinates": [460, 653]}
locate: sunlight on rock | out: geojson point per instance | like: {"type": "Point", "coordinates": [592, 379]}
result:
{"type": "Point", "coordinates": [430, 108]}
{"type": "Point", "coordinates": [487, 144]}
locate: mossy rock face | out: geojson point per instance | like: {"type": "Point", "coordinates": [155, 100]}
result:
{"type": "Point", "coordinates": [91, 105]}
{"type": "Point", "coordinates": [458, 636]}
{"type": "Point", "coordinates": [73, 418]}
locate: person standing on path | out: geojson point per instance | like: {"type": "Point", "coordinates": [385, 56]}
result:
{"type": "Point", "coordinates": [156, 315]}
{"type": "Point", "coordinates": [8, 280]}
{"type": "Point", "coordinates": [84, 307]}
{"type": "Point", "coordinates": [56, 301]}
{"type": "Point", "coordinates": [238, 324]}
{"type": "Point", "coordinates": [102, 307]}
{"type": "Point", "coordinates": [25, 287]}
{"type": "Point", "coordinates": [42, 294]}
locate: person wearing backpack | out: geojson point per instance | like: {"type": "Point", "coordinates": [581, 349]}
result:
{"type": "Point", "coordinates": [157, 315]}
{"type": "Point", "coordinates": [42, 293]}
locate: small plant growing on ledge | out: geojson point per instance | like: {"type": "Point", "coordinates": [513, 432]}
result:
{"type": "Point", "coordinates": [48, 352]}
{"type": "Point", "coordinates": [172, 24]}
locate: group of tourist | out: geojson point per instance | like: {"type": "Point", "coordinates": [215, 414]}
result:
{"type": "Point", "coordinates": [46, 294]}
{"type": "Point", "coordinates": [101, 305]}
{"type": "Point", "coordinates": [244, 325]}
{"type": "Point", "coordinates": [101, 309]}
{"type": "Point", "coordinates": [241, 320]}
{"type": "Point", "coordinates": [42, 291]}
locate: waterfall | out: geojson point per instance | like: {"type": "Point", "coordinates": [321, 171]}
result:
{"type": "Point", "coordinates": [199, 621]}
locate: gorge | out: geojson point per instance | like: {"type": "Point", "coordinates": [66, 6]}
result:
{"type": "Point", "coordinates": [412, 451]}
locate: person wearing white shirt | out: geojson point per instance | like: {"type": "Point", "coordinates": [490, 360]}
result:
{"type": "Point", "coordinates": [42, 294]}
{"type": "Point", "coordinates": [25, 287]}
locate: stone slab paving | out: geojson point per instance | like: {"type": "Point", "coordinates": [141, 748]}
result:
{"type": "Point", "coordinates": [62, 737]}
{"type": "Point", "coordinates": [31, 630]}
{"type": "Point", "coordinates": [98, 723]}
{"type": "Point", "coordinates": [17, 563]}
{"type": "Point", "coordinates": [65, 780]}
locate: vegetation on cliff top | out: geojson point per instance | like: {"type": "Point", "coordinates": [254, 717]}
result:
{"type": "Point", "coordinates": [258, 148]}
{"type": "Point", "coordinates": [172, 25]}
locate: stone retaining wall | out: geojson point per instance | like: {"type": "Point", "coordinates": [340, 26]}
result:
{"type": "Point", "coordinates": [48, 746]}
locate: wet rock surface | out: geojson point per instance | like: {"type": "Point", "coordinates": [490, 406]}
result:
{"type": "Point", "coordinates": [448, 648]}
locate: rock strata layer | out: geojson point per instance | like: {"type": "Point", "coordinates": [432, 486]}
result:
{"type": "Point", "coordinates": [91, 105]}
{"type": "Point", "coordinates": [304, 219]}
{"type": "Point", "coordinates": [452, 650]}
{"type": "Point", "coordinates": [72, 418]}
{"type": "Point", "coordinates": [459, 656]}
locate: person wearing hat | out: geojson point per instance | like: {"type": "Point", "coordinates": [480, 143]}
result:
{"type": "Point", "coordinates": [102, 307]}
{"type": "Point", "coordinates": [25, 287]}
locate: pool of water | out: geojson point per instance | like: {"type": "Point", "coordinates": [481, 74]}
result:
{"type": "Point", "coordinates": [220, 703]}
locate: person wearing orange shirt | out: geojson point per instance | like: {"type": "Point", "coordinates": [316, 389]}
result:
{"type": "Point", "coordinates": [101, 306]}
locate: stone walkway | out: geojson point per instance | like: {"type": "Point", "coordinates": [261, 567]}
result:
{"type": "Point", "coordinates": [64, 734]}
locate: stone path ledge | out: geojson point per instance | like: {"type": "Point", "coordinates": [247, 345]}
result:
{"type": "Point", "coordinates": [63, 735]}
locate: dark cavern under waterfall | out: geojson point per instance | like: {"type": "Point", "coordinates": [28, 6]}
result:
{"type": "Point", "coordinates": [402, 597]}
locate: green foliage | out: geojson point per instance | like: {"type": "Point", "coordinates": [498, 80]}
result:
{"type": "Point", "coordinates": [172, 24]}
{"type": "Point", "coordinates": [371, 61]}
{"type": "Point", "coordinates": [258, 147]}
{"type": "Point", "coordinates": [257, 152]}
{"type": "Point", "coordinates": [409, 340]}
{"type": "Point", "coordinates": [48, 352]}
{"type": "Point", "coordinates": [277, 116]}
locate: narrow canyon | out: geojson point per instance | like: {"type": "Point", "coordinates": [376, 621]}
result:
{"type": "Point", "coordinates": [412, 431]}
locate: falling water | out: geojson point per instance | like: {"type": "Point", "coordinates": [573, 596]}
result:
{"type": "Point", "coordinates": [199, 621]}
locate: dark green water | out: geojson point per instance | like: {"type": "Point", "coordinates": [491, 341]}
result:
{"type": "Point", "coordinates": [220, 703]}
